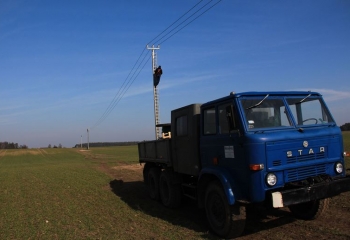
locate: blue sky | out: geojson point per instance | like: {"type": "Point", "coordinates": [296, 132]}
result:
{"type": "Point", "coordinates": [63, 62]}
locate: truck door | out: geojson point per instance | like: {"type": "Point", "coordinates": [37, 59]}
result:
{"type": "Point", "coordinates": [221, 146]}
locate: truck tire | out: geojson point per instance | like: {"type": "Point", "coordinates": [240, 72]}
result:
{"type": "Point", "coordinates": [225, 220]}
{"type": "Point", "coordinates": [153, 183]}
{"type": "Point", "coordinates": [170, 193]}
{"type": "Point", "coordinates": [145, 172]}
{"type": "Point", "coordinates": [310, 210]}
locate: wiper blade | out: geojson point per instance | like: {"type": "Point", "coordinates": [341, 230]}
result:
{"type": "Point", "coordinates": [258, 103]}
{"type": "Point", "coordinates": [302, 100]}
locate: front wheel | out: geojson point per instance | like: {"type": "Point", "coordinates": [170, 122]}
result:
{"type": "Point", "coordinates": [225, 220]}
{"type": "Point", "coordinates": [310, 210]}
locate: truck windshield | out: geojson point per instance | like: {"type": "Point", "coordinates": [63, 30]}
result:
{"type": "Point", "coordinates": [273, 113]}
{"type": "Point", "coordinates": [309, 111]}
{"type": "Point", "coordinates": [270, 113]}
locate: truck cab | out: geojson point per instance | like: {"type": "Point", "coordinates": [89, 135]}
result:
{"type": "Point", "coordinates": [281, 149]}
{"type": "Point", "coordinates": [261, 142]}
{"type": "Point", "coordinates": [277, 149]}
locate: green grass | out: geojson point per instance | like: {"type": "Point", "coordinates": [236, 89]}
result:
{"type": "Point", "coordinates": [346, 142]}
{"type": "Point", "coordinates": [54, 194]}
{"type": "Point", "coordinates": [64, 194]}
{"type": "Point", "coordinates": [124, 153]}
{"type": "Point", "coordinates": [114, 155]}
{"type": "Point", "coordinates": [79, 194]}
{"type": "Point", "coordinates": [346, 139]}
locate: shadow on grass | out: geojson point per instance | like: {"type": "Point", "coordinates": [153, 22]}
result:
{"type": "Point", "coordinates": [260, 219]}
{"type": "Point", "coordinates": [189, 216]}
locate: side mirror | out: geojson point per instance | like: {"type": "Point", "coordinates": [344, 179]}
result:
{"type": "Point", "coordinates": [230, 118]}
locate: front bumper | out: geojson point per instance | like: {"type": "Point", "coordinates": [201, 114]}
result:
{"type": "Point", "coordinates": [310, 193]}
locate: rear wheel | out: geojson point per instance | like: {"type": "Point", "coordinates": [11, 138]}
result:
{"type": "Point", "coordinates": [225, 220]}
{"type": "Point", "coordinates": [170, 193]}
{"type": "Point", "coordinates": [145, 172]}
{"type": "Point", "coordinates": [153, 182]}
{"type": "Point", "coordinates": [310, 210]}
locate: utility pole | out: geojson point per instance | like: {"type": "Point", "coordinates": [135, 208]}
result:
{"type": "Point", "coordinates": [88, 139]}
{"type": "Point", "coordinates": [155, 91]}
{"type": "Point", "coordinates": [81, 141]}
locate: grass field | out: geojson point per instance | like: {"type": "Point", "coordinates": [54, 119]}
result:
{"type": "Point", "coordinates": [67, 194]}
{"type": "Point", "coordinates": [99, 194]}
{"type": "Point", "coordinates": [53, 193]}
{"type": "Point", "coordinates": [346, 138]}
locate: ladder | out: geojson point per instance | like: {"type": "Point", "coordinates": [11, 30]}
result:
{"type": "Point", "coordinates": [156, 100]}
{"type": "Point", "coordinates": [155, 91]}
{"type": "Point", "coordinates": [156, 111]}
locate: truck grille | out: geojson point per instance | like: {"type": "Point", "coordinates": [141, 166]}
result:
{"type": "Point", "coordinates": [303, 158]}
{"type": "Point", "coordinates": [276, 163]}
{"type": "Point", "coordinates": [305, 172]}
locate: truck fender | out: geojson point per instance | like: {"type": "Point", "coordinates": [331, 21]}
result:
{"type": "Point", "coordinates": [207, 175]}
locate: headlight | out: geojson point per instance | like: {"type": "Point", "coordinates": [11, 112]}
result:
{"type": "Point", "coordinates": [271, 179]}
{"type": "Point", "coordinates": [338, 168]}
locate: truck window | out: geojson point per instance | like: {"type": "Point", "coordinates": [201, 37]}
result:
{"type": "Point", "coordinates": [285, 120]}
{"type": "Point", "coordinates": [223, 123]}
{"type": "Point", "coordinates": [209, 126]}
{"type": "Point", "coordinates": [181, 126]}
{"type": "Point", "coordinates": [270, 113]}
{"type": "Point", "coordinates": [309, 111]}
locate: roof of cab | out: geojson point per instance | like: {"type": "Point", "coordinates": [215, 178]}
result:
{"type": "Point", "coordinates": [275, 93]}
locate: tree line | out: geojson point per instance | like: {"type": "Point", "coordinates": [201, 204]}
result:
{"type": "Point", "coordinates": [54, 146]}
{"type": "Point", "coordinates": [345, 127]}
{"type": "Point", "coordinates": [12, 145]}
{"type": "Point", "coordinates": [105, 144]}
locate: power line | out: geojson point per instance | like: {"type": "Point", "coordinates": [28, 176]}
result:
{"type": "Point", "coordinates": [125, 86]}
{"type": "Point", "coordinates": [127, 83]}
{"type": "Point", "coordinates": [184, 20]}
{"type": "Point", "coordinates": [175, 21]}
{"type": "Point", "coordinates": [189, 22]}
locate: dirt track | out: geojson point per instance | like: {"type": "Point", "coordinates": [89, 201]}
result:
{"type": "Point", "coordinates": [276, 224]}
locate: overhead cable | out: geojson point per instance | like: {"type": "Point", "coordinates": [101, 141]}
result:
{"type": "Point", "coordinates": [132, 74]}
{"type": "Point", "coordinates": [149, 42]}
{"type": "Point", "coordinates": [188, 22]}
{"type": "Point", "coordinates": [118, 95]}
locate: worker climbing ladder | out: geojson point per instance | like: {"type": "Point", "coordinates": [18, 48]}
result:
{"type": "Point", "coordinates": [155, 91]}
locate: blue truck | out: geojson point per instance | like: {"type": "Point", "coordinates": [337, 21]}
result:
{"type": "Point", "coordinates": [274, 149]}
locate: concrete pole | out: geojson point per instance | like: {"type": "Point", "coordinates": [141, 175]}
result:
{"type": "Point", "coordinates": [155, 92]}
{"type": "Point", "coordinates": [88, 139]}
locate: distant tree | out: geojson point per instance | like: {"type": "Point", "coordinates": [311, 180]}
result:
{"type": "Point", "coordinates": [7, 145]}
{"type": "Point", "coordinates": [60, 145]}
{"type": "Point", "coordinates": [54, 146]}
{"type": "Point", "coordinates": [3, 145]}
{"type": "Point", "coordinates": [345, 127]}
{"type": "Point", "coordinates": [49, 146]}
